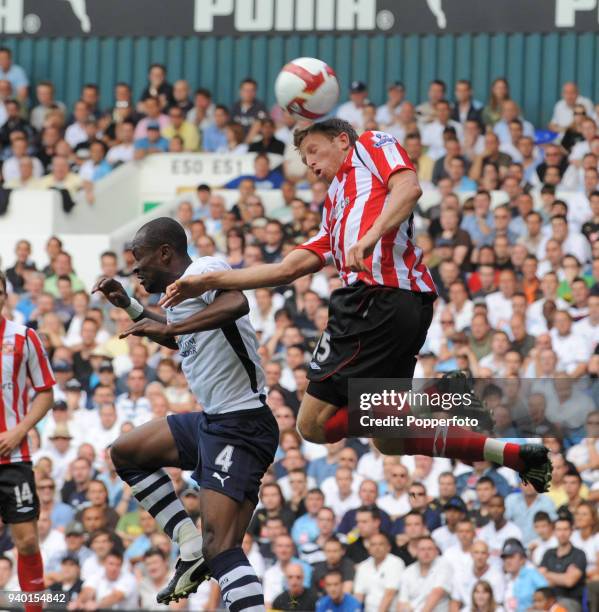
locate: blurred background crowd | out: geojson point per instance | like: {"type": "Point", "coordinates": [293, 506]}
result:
{"type": "Point", "coordinates": [509, 230]}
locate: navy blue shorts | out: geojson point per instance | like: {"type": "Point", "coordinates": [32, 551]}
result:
{"type": "Point", "coordinates": [228, 453]}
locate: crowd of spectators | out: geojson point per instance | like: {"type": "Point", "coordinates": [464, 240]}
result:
{"type": "Point", "coordinates": [511, 239]}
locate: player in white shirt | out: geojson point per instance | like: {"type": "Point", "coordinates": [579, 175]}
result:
{"type": "Point", "coordinates": [426, 584]}
{"type": "Point", "coordinates": [229, 445]}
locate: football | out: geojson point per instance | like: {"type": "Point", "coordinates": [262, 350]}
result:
{"type": "Point", "coordinates": [307, 87]}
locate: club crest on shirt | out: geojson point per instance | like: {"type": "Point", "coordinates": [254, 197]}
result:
{"type": "Point", "coordinates": [8, 348]}
{"type": "Point", "coordinates": [381, 139]}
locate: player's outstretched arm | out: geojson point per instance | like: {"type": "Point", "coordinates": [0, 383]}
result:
{"type": "Point", "coordinates": [227, 307]}
{"type": "Point", "coordinates": [404, 192]}
{"type": "Point", "coordinates": [298, 263]}
{"type": "Point", "coordinates": [40, 406]}
{"type": "Point", "coordinates": [117, 296]}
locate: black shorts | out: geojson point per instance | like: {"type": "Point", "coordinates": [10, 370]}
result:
{"type": "Point", "coordinates": [373, 332]}
{"type": "Point", "coordinates": [228, 453]}
{"type": "Point", "coordinates": [18, 498]}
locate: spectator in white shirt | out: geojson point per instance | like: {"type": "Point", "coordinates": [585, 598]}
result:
{"type": "Point", "coordinates": [563, 111]}
{"type": "Point", "coordinates": [499, 303]}
{"type": "Point", "coordinates": [571, 243]}
{"type": "Point", "coordinates": [432, 134]}
{"type": "Point", "coordinates": [343, 496]}
{"type": "Point", "coordinates": [446, 536]}
{"type": "Point", "coordinates": [536, 323]}
{"type": "Point", "coordinates": [274, 576]}
{"type": "Point", "coordinates": [385, 114]}
{"type": "Point", "coordinates": [396, 502]}
{"type": "Point", "coordinates": [494, 362]}
{"type": "Point", "coordinates": [498, 529]}
{"type": "Point", "coordinates": [567, 402]}
{"type": "Point", "coordinates": [509, 112]}
{"type": "Point", "coordinates": [77, 132]}
{"type": "Point", "coordinates": [114, 588]}
{"type": "Point", "coordinates": [543, 526]}
{"type": "Point", "coordinates": [133, 406]}
{"type": "Point", "coordinates": [426, 584]}
{"type": "Point", "coordinates": [469, 574]}
{"type": "Point", "coordinates": [123, 151]}
{"type": "Point", "coordinates": [459, 305]}
{"type": "Point", "coordinates": [352, 110]}
{"type": "Point", "coordinates": [585, 454]}
{"type": "Point", "coordinates": [11, 169]}
{"type": "Point", "coordinates": [378, 578]}
{"type": "Point", "coordinates": [459, 555]}
{"type": "Point", "coordinates": [588, 129]}
{"type": "Point", "coordinates": [52, 542]}
{"type": "Point", "coordinates": [262, 317]}
{"type": "Point", "coordinates": [573, 354]}
{"type": "Point", "coordinates": [156, 577]}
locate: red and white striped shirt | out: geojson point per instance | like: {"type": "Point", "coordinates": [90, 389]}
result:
{"type": "Point", "coordinates": [22, 357]}
{"type": "Point", "coordinates": [356, 197]}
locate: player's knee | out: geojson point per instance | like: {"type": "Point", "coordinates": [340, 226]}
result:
{"type": "Point", "coordinates": [309, 429]}
{"type": "Point", "coordinates": [27, 543]}
{"type": "Point", "coordinates": [119, 454]}
{"type": "Point", "coordinates": [388, 446]}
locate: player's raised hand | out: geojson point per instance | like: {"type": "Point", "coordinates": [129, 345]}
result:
{"type": "Point", "coordinates": [113, 291]}
{"type": "Point", "coordinates": [183, 289]}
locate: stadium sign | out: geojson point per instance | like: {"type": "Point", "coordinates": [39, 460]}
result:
{"type": "Point", "coordinates": [285, 17]}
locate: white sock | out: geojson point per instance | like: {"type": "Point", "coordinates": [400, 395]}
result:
{"type": "Point", "coordinates": [189, 540]}
{"type": "Point", "coordinates": [493, 450]}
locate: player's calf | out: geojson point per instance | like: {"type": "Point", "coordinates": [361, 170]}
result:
{"type": "Point", "coordinates": [30, 567]}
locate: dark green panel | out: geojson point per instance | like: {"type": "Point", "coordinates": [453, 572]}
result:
{"type": "Point", "coordinates": [446, 70]}
{"type": "Point", "coordinates": [498, 56]}
{"type": "Point", "coordinates": [549, 78]}
{"type": "Point", "coordinates": [535, 64]}
{"type": "Point", "coordinates": [480, 67]}
{"type": "Point", "coordinates": [223, 88]}
{"type": "Point", "coordinates": [515, 72]}
{"type": "Point", "coordinates": [141, 63]}
{"type": "Point", "coordinates": [175, 58]}
{"type": "Point", "coordinates": [411, 63]}
{"type": "Point", "coordinates": [429, 66]}
{"type": "Point", "coordinates": [532, 60]}
{"type": "Point", "coordinates": [58, 62]}
{"type": "Point", "coordinates": [379, 78]}
{"type": "Point", "coordinates": [585, 69]}
{"type": "Point", "coordinates": [107, 71]}
{"type": "Point", "coordinates": [567, 59]}
{"type": "Point", "coordinates": [76, 66]}
{"type": "Point", "coordinates": [124, 60]}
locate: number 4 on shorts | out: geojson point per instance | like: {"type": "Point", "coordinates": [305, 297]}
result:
{"type": "Point", "coordinates": [224, 458]}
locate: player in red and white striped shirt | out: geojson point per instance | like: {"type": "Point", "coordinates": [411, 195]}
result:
{"type": "Point", "coordinates": [379, 320]}
{"type": "Point", "coordinates": [22, 361]}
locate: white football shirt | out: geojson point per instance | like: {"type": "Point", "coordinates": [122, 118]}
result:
{"type": "Point", "coordinates": [221, 366]}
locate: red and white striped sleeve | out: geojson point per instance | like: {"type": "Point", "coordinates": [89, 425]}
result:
{"type": "Point", "coordinates": [38, 364]}
{"type": "Point", "coordinates": [321, 243]}
{"type": "Point", "coordinates": [382, 155]}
